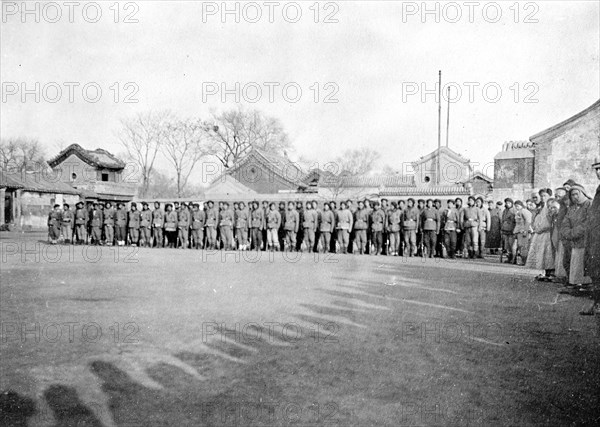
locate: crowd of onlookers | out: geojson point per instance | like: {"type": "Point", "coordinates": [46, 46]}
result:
{"type": "Point", "coordinates": [548, 232]}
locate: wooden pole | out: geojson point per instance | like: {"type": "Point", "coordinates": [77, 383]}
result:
{"type": "Point", "coordinates": [437, 172]}
{"type": "Point", "coordinates": [448, 117]}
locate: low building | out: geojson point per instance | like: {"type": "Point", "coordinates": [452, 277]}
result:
{"type": "Point", "coordinates": [266, 177]}
{"type": "Point", "coordinates": [98, 173]}
{"type": "Point", "coordinates": [26, 198]}
{"type": "Point", "coordinates": [551, 157]}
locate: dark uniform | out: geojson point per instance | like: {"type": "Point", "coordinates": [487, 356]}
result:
{"type": "Point", "coordinates": [410, 225]}
{"type": "Point", "coordinates": [81, 220]}
{"type": "Point", "coordinates": [67, 219]}
{"type": "Point", "coordinates": [343, 223]}
{"type": "Point", "coordinates": [109, 224]}
{"type": "Point", "coordinates": [158, 222]}
{"type": "Point", "coordinates": [450, 223]}
{"type": "Point", "coordinates": [226, 219]}
{"type": "Point", "coordinates": [54, 224]}
{"type": "Point", "coordinates": [212, 222]}
{"type": "Point", "coordinates": [309, 224]}
{"type": "Point", "coordinates": [326, 223]}
{"type": "Point", "coordinates": [171, 227]}
{"type": "Point", "coordinates": [430, 224]}
{"type": "Point", "coordinates": [183, 225]}
{"type": "Point", "coordinates": [198, 224]}
{"type": "Point", "coordinates": [361, 224]}
{"type": "Point", "coordinates": [96, 221]}
{"type": "Point", "coordinates": [121, 224]}
{"type": "Point", "coordinates": [377, 228]}
{"type": "Point", "coordinates": [394, 219]}
{"type": "Point", "coordinates": [242, 219]}
{"type": "Point", "coordinates": [145, 226]}
{"type": "Point", "coordinates": [291, 226]}
{"type": "Point", "coordinates": [273, 225]}
{"type": "Point", "coordinates": [257, 226]}
{"type": "Point", "coordinates": [134, 224]}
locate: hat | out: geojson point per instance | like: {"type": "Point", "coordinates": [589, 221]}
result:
{"type": "Point", "coordinates": [133, 205]}
{"type": "Point", "coordinates": [580, 188]}
{"type": "Point", "coordinates": [520, 203]}
{"type": "Point", "coordinates": [108, 204]}
{"type": "Point", "coordinates": [499, 203]}
{"type": "Point", "coordinates": [66, 205]}
{"type": "Point", "coordinates": [79, 203]}
{"type": "Point", "coordinates": [509, 200]}
{"type": "Point", "coordinates": [570, 183]}
{"type": "Point", "coordinates": [560, 188]}
{"type": "Point", "coordinates": [56, 206]}
{"type": "Point", "coordinates": [143, 203]}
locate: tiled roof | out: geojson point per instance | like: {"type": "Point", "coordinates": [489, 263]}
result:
{"type": "Point", "coordinates": [558, 127]}
{"type": "Point", "coordinates": [98, 158]}
{"type": "Point", "coordinates": [373, 181]}
{"type": "Point", "coordinates": [36, 182]}
{"type": "Point", "coordinates": [445, 150]}
{"type": "Point", "coordinates": [438, 190]}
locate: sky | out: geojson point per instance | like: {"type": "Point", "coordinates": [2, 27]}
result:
{"type": "Point", "coordinates": [375, 63]}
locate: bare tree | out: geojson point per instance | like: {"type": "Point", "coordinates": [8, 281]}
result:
{"type": "Point", "coordinates": [234, 133]}
{"type": "Point", "coordinates": [357, 162]}
{"type": "Point", "coordinates": [21, 155]}
{"type": "Point", "coordinates": [185, 143]}
{"type": "Point", "coordinates": [142, 136]}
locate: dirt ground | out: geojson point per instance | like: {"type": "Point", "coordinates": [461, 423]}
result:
{"type": "Point", "coordinates": [153, 337]}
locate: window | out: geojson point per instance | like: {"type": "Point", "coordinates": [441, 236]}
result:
{"type": "Point", "coordinates": [73, 176]}
{"type": "Point", "coordinates": [104, 177]}
{"type": "Point", "coordinates": [427, 179]}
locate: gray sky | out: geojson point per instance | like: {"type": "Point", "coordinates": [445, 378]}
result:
{"type": "Point", "coordinates": [370, 55]}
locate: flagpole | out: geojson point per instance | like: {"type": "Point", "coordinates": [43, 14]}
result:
{"type": "Point", "coordinates": [437, 174]}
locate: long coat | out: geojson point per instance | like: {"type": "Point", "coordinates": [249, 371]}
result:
{"type": "Point", "coordinates": [592, 249]}
{"type": "Point", "coordinates": [494, 239]}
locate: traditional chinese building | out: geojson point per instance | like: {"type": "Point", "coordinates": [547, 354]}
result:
{"type": "Point", "coordinates": [98, 173]}
{"type": "Point", "coordinates": [551, 157]}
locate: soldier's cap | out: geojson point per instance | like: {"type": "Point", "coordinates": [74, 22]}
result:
{"type": "Point", "coordinates": [168, 205]}
{"type": "Point", "coordinates": [314, 201]}
{"type": "Point", "coordinates": [79, 203]}
{"type": "Point", "coordinates": [326, 204]}
{"type": "Point", "coordinates": [480, 199]}
{"type": "Point", "coordinates": [120, 204]}
{"type": "Point", "coordinates": [143, 203]}
{"type": "Point", "coordinates": [272, 204]}
{"type": "Point", "coordinates": [56, 206]}
{"type": "Point", "coordinates": [133, 205]}
{"type": "Point", "coordinates": [242, 203]}
{"type": "Point", "coordinates": [450, 201]}
{"type": "Point", "coordinates": [108, 204]}
{"type": "Point", "coordinates": [570, 183]}
{"type": "Point", "coordinates": [175, 203]}
{"type": "Point", "coordinates": [384, 200]}
{"type": "Point", "coordinates": [499, 203]}
{"type": "Point", "coordinates": [225, 203]}
{"type": "Point", "coordinates": [410, 199]}
{"type": "Point", "coordinates": [429, 200]}
{"type": "Point", "coordinates": [66, 205]}
{"type": "Point", "coordinates": [509, 200]}
{"type": "Point", "coordinates": [560, 188]}
{"type": "Point", "coordinates": [437, 201]}
{"type": "Point", "coordinates": [264, 201]}
{"type": "Point", "coordinates": [210, 201]}
{"type": "Point", "coordinates": [394, 204]}
{"type": "Point", "coordinates": [420, 200]}
{"type": "Point", "coordinates": [457, 199]}
{"type": "Point", "coordinates": [519, 203]}
{"type": "Point", "coordinates": [471, 198]}
{"type": "Point", "coordinates": [361, 202]}
{"type": "Point", "coordinates": [308, 203]}
{"type": "Point", "coordinates": [157, 202]}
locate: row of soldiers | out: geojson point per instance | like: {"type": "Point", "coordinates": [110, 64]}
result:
{"type": "Point", "coordinates": [412, 228]}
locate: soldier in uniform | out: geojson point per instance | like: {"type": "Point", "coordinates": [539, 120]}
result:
{"type": "Point", "coordinates": [361, 223]}
{"type": "Point", "coordinates": [521, 231]}
{"type": "Point", "coordinates": [450, 221]}
{"type": "Point", "coordinates": [326, 222]}
{"type": "Point", "coordinates": [212, 222]}
{"type": "Point", "coordinates": [183, 225]}
{"type": "Point", "coordinates": [273, 225]}
{"type": "Point", "coordinates": [470, 224]}
{"type": "Point", "coordinates": [384, 234]}
{"type": "Point", "coordinates": [343, 223]}
{"type": "Point", "coordinates": [309, 224]}
{"type": "Point", "coordinates": [81, 220]}
{"type": "Point", "coordinates": [460, 233]}
{"type": "Point", "coordinates": [197, 226]}
{"type": "Point", "coordinates": [54, 224]}
{"type": "Point", "coordinates": [318, 212]}
{"type": "Point", "coordinates": [333, 242]}
{"type": "Point", "coordinates": [394, 219]}
{"type": "Point", "coordinates": [410, 225]}
{"type": "Point", "coordinates": [507, 228]}
{"type": "Point", "coordinates": [170, 226]}
{"type": "Point", "coordinates": [96, 220]}
{"type": "Point", "coordinates": [420, 246]}
{"type": "Point", "coordinates": [265, 209]}
{"type": "Point", "coordinates": [281, 232]}
{"type": "Point", "coordinates": [134, 224]}
{"type": "Point", "coordinates": [242, 221]}
{"type": "Point", "coordinates": [430, 225]}
{"type": "Point", "coordinates": [291, 226]}
{"type": "Point", "coordinates": [109, 224]}
{"type": "Point", "coordinates": [401, 208]}
{"type": "Point", "coordinates": [145, 226]}
{"type": "Point", "coordinates": [439, 246]}
{"type": "Point", "coordinates": [485, 223]}
{"type": "Point", "coordinates": [300, 234]}
{"type": "Point", "coordinates": [226, 226]}
{"type": "Point", "coordinates": [67, 220]}
{"type": "Point", "coordinates": [257, 226]}
{"type": "Point", "coordinates": [158, 222]}
{"type": "Point", "coordinates": [369, 209]}
{"type": "Point", "coordinates": [377, 227]}
{"type": "Point", "coordinates": [121, 224]}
